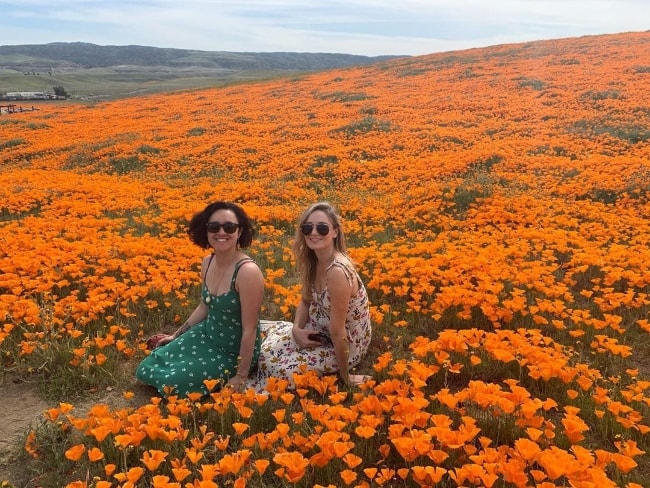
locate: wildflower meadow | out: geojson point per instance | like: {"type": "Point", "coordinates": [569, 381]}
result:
{"type": "Point", "coordinates": [496, 202]}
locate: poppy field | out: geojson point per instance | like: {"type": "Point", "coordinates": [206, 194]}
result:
{"type": "Point", "coordinates": [496, 202]}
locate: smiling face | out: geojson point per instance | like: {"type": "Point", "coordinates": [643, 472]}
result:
{"type": "Point", "coordinates": [318, 231]}
{"type": "Point", "coordinates": [218, 237]}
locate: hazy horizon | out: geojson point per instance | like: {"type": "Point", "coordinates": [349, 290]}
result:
{"type": "Point", "coordinates": [371, 28]}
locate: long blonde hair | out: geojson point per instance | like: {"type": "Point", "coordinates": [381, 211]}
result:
{"type": "Point", "coordinates": [306, 259]}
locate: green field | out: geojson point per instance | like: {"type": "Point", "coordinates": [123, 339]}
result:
{"type": "Point", "coordinates": [107, 83]}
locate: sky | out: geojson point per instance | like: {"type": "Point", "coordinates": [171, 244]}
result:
{"type": "Point", "coordinates": [366, 27]}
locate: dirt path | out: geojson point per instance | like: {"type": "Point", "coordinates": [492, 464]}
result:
{"type": "Point", "coordinates": [20, 407]}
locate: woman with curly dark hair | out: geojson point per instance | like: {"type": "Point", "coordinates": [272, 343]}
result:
{"type": "Point", "coordinates": [221, 337]}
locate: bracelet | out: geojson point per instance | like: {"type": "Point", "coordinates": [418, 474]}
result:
{"type": "Point", "coordinates": [183, 328]}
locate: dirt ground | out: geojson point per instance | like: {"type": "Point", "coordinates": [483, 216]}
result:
{"type": "Point", "coordinates": [21, 408]}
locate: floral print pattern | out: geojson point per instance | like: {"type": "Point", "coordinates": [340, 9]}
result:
{"type": "Point", "coordinates": [280, 355]}
{"type": "Point", "coordinates": [209, 350]}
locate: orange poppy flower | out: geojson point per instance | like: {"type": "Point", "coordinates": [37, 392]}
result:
{"type": "Point", "coordinates": [153, 458]}
{"type": "Point", "coordinates": [95, 454]}
{"type": "Point", "coordinates": [293, 465]}
{"type": "Point", "coordinates": [75, 452]}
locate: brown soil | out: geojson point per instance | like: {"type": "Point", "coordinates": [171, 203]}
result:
{"type": "Point", "coordinates": [21, 406]}
{"type": "Point", "coordinates": [22, 409]}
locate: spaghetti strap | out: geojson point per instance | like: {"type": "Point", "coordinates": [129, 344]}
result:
{"type": "Point", "coordinates": [209, 350]}
{"type": "Point", "coordinates": [350, 272]}
{"type": "Point", "coordinates": [238, 265]}
{"type": "Point", "coordinates": [207, 267]}
{"type": "Point", "coordinates": [281, 357]}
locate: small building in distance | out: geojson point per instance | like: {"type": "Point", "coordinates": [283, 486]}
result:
{"type": "Point", "coordinates": [27, 95]}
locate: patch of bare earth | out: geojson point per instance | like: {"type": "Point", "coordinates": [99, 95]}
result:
{"type": "Point", "coordinates": [22, 409]}
{"type": "Point", "coordinates": [21, 406]}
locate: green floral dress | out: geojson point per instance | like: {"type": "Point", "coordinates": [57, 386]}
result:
{"type": "Point", "coordinates": [209, 350]}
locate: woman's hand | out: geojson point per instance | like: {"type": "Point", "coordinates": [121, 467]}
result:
{"type": "Point", "coordinates": [237, 382]}
{"type": "Point", "coordinates": [166, 339]}
{"type": "Point", "coordinates": [159, 340]}
{"type": "Point", "coordinates": [301, 336]}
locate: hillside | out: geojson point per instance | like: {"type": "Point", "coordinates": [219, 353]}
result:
{"type": "Point", "coordinates": [496, 202]}
{"type": "Point", "coordinates": [95, 72]}
{"type": "Point", "coordinates": [81, 55]}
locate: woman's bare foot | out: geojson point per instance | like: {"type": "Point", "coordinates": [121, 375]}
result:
{"type": "Point", "coordinates": [359, 379]}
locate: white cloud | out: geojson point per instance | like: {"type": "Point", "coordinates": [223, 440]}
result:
{"type": "Point", "coordinates": [352, 26]}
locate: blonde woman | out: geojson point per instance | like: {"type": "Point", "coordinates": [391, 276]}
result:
{"type": "Point", "coordinates": [331, 331]}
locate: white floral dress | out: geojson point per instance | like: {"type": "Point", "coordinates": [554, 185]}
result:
{"type": "Point", "coordinates": [280, 355]}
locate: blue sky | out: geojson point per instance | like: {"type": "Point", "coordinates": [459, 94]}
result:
{"type": "Point", "coordinates": [367, 27]}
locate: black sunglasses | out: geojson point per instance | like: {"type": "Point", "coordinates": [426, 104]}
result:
{"type": "Point", "coordinates": [228, 227]}
{"type": "Point", "coordinates": [322, 229]}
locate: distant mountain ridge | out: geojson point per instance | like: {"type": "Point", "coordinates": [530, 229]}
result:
{"type": "Point", "coordinates": [82, 55]}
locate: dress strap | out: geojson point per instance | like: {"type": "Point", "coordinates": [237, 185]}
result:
{"type": "Point", "coordinates": [238, 265]}
{"type": "Point", "coordinates": [205, 273]}
{"type": "Point", "coordinates": [350, 273]}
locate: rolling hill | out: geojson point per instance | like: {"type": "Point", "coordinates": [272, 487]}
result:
{"type": "Point", "coordinates": [96, 72]}
{"type": "Point", "coordinates": [82, 55]}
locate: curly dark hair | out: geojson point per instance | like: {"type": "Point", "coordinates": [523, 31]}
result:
{"type": "Point", "coordinates": [199, 234]}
